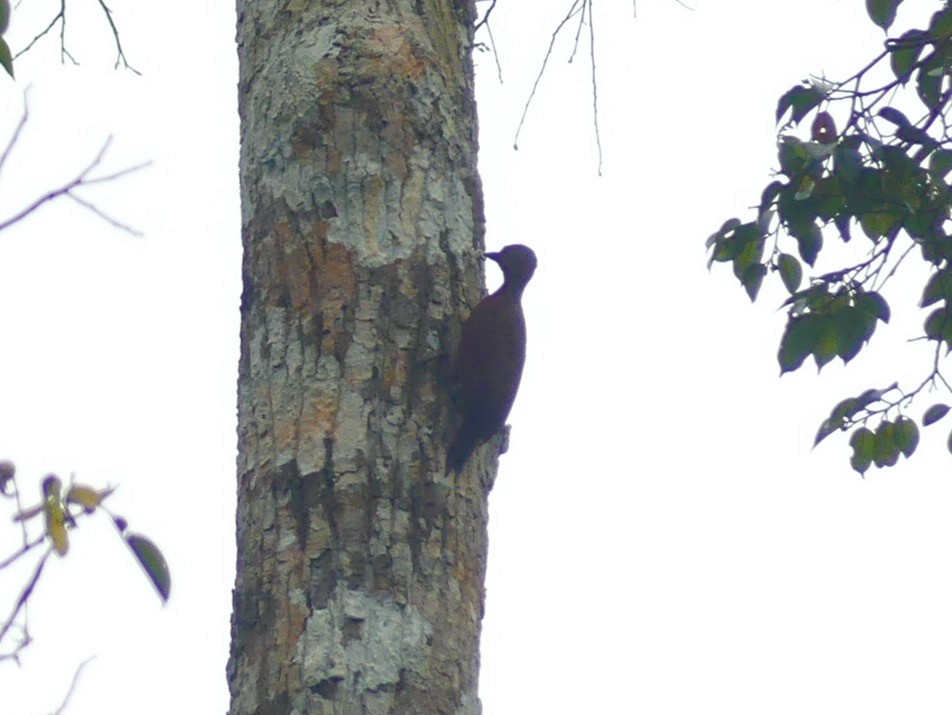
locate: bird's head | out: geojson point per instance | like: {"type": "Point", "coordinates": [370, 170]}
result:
{"type": "Point", "coordinates": [517, 262]}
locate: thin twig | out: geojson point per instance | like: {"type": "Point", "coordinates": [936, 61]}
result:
{"type": "Point", "coordinates": [25, 549]}
{"type": "Point", "coordinates": [61, 15]}
{"type": "Point", "coordinates": [571, 13]}
{"type": "Point", "coordinates": [598, 137]}
{"type": "Point", "coordinates": [72, 686]}
{"type": "Point", "coordinates": [122, 55]}
{"type": "Point", "coordinates": [16, 132]}
{"type": "Point", "coordinates": [82, 180]}
{"type": "Point", "coordinates": [478, 24]}
{"type": "Point", "coordinates": [25, 595]}
{"type": "Point", "coordinates": [492, 44]}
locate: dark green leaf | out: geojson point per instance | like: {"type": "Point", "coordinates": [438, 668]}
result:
{"type": "Point", "coordinates": [753, 278]}
{"type": "Point", "coordinates": [939, 287]}
{"type": "Point", "coordinates": [802, 100]}
{"type": "Point", "coordinates": [799, 339]}
{"type": "Point", "coordinates": [885, 451]}
{"type": "Point", "coordinates": [929, 81]}
{"type": "Point", "coordinates": [934, 414]}
{"type": "Point", "coordinates": [790, 272]}
{"type": "Point", "coordinates": [827, 344]}
{"type": "Point", "coordinates": [153, 562]}
{"type": "Point", "coordinates": [882, 12]}
{"type": "Point", "coordinates": [940, 163]}
{"type": "Point", "coordinates": [842, 223]}
{"type": "Point", "coordinates": [863, 441]}
{"type": "Point", "coordinates": [940, 26]}
{"type": "Point", "coordinates": [809, 240]}
{"type": "Point", "coordinates": [6, 59]}
{"type": "Point", "coordinates": [906, 435]}
{"type": "Point", "coordinates": [874, 304]}
{"type": "Point", "coordinates": [850, 326]}
{"type": "Point", "coordinates": [938, 325]}
{"type": "Point", "coordinates": [845, 409]}
{"type": "Point", "coordinates": [769, 194]}
{"type": "Point", "coordinates": [904, 52]}
{"type": "Point", "coordinates": [827, 427]}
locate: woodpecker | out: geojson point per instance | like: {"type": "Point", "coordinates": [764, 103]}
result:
{"type": "Point", "coordinates": [491, 354]}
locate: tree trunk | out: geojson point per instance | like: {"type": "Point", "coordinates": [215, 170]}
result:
{"type": "Point", "coordinates": [360, 564]}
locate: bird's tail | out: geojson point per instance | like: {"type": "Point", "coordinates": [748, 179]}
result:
{"type": "Point", "coordinates": [461, 448]}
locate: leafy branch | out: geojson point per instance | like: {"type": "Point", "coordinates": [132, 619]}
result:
{"type": "Point", "coordinates": [884, 173]}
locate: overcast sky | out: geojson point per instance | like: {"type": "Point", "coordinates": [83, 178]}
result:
{"type": "Point", "coordinates": [662, 538]}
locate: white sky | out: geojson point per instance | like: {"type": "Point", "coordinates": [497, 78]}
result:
{"type": "Point", "coordinates": [662, 539]}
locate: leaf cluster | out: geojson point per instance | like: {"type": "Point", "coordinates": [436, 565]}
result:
{"type": "Point", "coordinates": [883, 174]}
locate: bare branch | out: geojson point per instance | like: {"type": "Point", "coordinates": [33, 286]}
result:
{"type": "Point", "coordinates": [545, 62]}
{"type": "Point", "coordinates": [598, 136]}
{"type": "Point", "coordinates": [16, 132]}
{"type": "Point", "coordinates": [120, 55]}
{"type": "Point", "coordinates": [68, 189]}
{"type": "Point", "coordinates": [59, 17]}
{"type": "Point", "coordinates": [485, 18]}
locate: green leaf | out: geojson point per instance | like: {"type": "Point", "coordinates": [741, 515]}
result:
{"type": "Point", "coordinates": [940, 26]}
{"type": "Point", "coordinates": [809, 240]}
{"type": "Point", "coordinates": [769, 195]}
{"type": "Point", "coordinates": [885, 451]}
{"type": "Point", "coordinates": [801, 99]}
{"type": "Point", "coordinates": [799, 339]}
{"type": "Point", "coordinates": [842, 223]}
{"type": "Point", "coordinates": [874, 304]}
{"type": "Point", "coordinates": [152, 562]}
{"type": "Point", "coordinates": [4, 15]}
{"type": "Point", "coordinates": [882, 12]}
{"type": "Point", "coordinates": [863, 441]}
{"type": "Point", "coordinates": [876, 224]}
{"type": "Point", "coordinates": [938, 325]}
{"type": "Point", "coordinates": [906, 435]}
{"type": "Point", "coordinates": [827, 427]}
{"type": "Point", "coordinates": [827, 344]}
{"type": "Point", "coordinates": [904, 53]}
{"type": "Point", "coordinates": [929, 81]}
{"type": "Point", "coordinates": [850, 325]}
{"type": "Point", "coordinates": [934, 414]}
{"type": "Point", "coordinates": [790, 272]}
{"type": "Point", "coordinates": [753, 278]}
{"type": "Point", "coordinates": [939, 287]}
{"type": "Point", "coordinates": [6, 59]}
{"type": "Point", "coordinates": [940, 163]}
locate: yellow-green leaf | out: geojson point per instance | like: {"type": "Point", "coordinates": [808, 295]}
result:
{"type": "Point", "coordinates": [152, 562]}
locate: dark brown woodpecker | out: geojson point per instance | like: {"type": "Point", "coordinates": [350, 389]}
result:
{"type": "Point", "coordinates": [492, 352]}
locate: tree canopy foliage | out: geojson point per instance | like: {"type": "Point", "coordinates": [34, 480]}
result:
{"type": "Point", "coordinates": [886, 172]}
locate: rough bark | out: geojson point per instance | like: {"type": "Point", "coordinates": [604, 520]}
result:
{"type": "Point", "coordinates": [360, 564]}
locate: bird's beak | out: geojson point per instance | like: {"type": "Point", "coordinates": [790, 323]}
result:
{"type": "Point", "coordinates": [492, 256]}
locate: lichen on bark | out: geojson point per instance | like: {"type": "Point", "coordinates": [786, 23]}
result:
{"type": "Point", "coordinates": [360, 564]}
